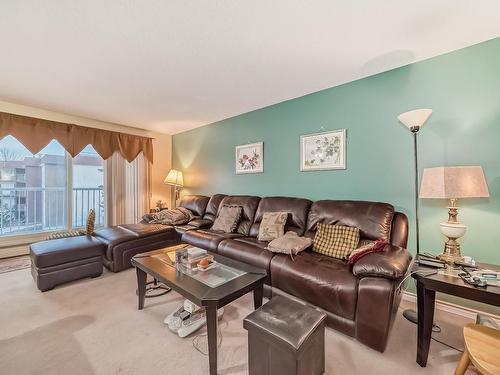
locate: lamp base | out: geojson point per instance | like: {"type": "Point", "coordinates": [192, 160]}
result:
{"type": "Point", "coordinates": [453, 231]}
{"type": "Point", "coordinates": [451, 252]}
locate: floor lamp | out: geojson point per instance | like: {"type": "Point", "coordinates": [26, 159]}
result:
{"type": "Point", "coordinates": [414, 120]}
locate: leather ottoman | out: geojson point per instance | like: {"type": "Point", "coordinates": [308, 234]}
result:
{"type": "Point", "coordinates": [286, 337]}
{"type": "Point", "coordinates": [63, 260]}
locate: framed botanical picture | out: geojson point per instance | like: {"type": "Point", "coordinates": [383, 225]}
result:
{"type": "Point", "coordinates": [250, 158]}
{"type": "Point", "coordinates": [323, 151]}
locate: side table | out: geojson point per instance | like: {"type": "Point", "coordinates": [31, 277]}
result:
{"type": "Point", "coordinates": [427, 286]}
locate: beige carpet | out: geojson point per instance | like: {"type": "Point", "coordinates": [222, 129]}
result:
{"type": "Point", "coordinates": [93, 327]}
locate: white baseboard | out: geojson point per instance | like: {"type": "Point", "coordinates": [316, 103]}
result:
{"type": "Point", "coordinates": [452, 308]}
{"type": "Point", "coordinates": [14, 251]}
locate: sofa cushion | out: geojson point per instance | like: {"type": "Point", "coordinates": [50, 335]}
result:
{"type": "Point", "coordinates": [206, 238]}
{"type": "Point", "coordinates": [213, 207]}
{"type": "Point", "coordinates": [65, 250]}
{"type": "Point", "coordinates": [112, 236]}
{"type": "Point", "coordinates": [194, 203]}
{"type": "Point", "coordinates": [249, 204]}
{"type": "Point", "coordinates": [318, 279]}
{"type": "Point", "coordinates": [248, 250]}
{"type": "Point", "coordinates": [373, 219]}
{"type": "Point", "coordinates": [297, 209]}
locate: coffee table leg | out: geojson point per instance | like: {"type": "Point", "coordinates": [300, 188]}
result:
{"type": "Point", "coordinates": [425, 304]}
{"type": "Point", "coordinates": [211, 312]}
{"type": "Point", "coordinates": [141, 286]}
{"type": "Point", "coordinates": [258, 294]}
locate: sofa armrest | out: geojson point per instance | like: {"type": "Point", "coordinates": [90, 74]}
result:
{"type": "Point", "coordinates": [200, 223]}
{"type": "Point", "coordinates": [392, 263]}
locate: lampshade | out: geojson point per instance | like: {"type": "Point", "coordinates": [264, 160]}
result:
{"type": "Point", "coordinates": [174, 178]}
{"type": "Point", "coordinates": [454, 182]}
{"type": "Point", "coordinates": [415, 118]}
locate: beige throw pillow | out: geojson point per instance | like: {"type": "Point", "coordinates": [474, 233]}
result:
{"type": "Point", "coordinates": [272, 225]}
{"type": "Point", "coordinates": [227, 219]}
{"type": "Point", "coordinates": [290, 244]}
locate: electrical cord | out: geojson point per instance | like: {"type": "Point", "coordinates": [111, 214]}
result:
{"type": "Point", "coordinates": [199, 346]}
{"type": "Point", "coordinates": [447, 345]}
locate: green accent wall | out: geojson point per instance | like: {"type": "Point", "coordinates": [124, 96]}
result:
{"type": "Point", "coordinates": [463, 89]}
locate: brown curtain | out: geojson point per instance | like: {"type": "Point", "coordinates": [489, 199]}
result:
{"type": "Point", "coordinates": [36, 133]}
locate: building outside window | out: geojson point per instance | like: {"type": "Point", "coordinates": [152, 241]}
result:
{"type": "Point", "coordinates": [34, 189]}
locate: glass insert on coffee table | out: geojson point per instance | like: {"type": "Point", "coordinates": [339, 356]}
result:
{"type": "Point", "coordinates": [214, 288]}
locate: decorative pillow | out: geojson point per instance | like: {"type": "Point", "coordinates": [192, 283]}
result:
{"type": "Point", "coordinates": [90, 222]}
{"type": "Point", "coordinates": [67, 234]}
{"type": "Point", "coordinates": [336, 241]}
{"type": "Point", "coordinates": [290, 244]}
{"type": "Point", "coordinates": [369, 248]}
{"type": "Point", "coordinates": [272, 225]}
{"type": "Point", "coordinates": [227, 219]}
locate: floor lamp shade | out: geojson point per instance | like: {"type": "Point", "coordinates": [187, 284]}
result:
{"type": "Point", "coordinates": [415, 119]}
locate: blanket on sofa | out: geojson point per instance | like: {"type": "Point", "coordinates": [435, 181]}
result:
{"type": "Point", "coordinates": [176, 216]}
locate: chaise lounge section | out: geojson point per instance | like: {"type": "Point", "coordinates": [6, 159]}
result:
{"type": "Point", "coordinates": [124, 241]}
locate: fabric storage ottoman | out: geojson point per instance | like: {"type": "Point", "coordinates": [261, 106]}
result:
{"type": "Point", "coordinates": [286, 337]}
{"type": "Point", "coordinates": [56, 262]}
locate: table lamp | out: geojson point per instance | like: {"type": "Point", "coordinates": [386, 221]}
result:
{"type": "Point", "coordinates": [453, 183]}
{"type": "Point", "coordinates": [175, 179]}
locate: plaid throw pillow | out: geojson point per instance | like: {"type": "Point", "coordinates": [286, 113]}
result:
{"type": "Point", "coordinates": [336, 241]}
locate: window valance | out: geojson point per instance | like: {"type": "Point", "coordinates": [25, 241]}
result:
{"type": "Point", "coordinates": [36, 133]}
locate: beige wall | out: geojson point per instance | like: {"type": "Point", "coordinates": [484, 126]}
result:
{"type": "Point", "coordinates": [162, 143]}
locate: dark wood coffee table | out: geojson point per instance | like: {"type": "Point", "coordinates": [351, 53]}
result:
{"type": "Point", "coordinates": [212, 298]}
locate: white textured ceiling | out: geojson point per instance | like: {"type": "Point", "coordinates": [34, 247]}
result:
{"type": "Point", "coordinates": [172, 65]}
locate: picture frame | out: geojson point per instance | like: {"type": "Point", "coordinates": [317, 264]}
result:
{"type": "Point", "coordinates": [323, 151]}
{"type": "Point", "coordinates": [249, 158]}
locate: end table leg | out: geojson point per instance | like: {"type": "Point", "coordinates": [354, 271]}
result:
{"type": "Point", "coordinates": [141, 287]}
{"type": "Point", "coordinates": [258, 294]}
{"type": "Point", "coordinates": [425, 306]}
{"type": "Point", "coordinates": [211, 312]}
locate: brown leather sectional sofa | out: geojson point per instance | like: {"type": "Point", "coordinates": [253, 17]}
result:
{"type": "Point", "coordinates": [360, 301]}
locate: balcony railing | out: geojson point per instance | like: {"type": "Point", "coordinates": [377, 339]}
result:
{"type": "Point", "coordinates": [27, 210]}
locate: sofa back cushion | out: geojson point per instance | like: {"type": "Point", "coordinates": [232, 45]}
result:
{"type": "Point", "coordinates": [248, 203]}
{"type": "Point", "coordinates": [213, 206]}
{"type": "Point", "coordinates": [296, 207]}
{"type": "Point", "coordinates": [373, 219]}
{"type": "Point", "coordinates": [194, 203]}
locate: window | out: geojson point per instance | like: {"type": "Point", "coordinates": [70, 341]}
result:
{"type": "Point", "coordinates": [34, 189]}
{"type": "Point", "coordinates": [88, 186]}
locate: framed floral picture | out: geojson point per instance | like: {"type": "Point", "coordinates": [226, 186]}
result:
{"type": "Point", "coordinates": [250, 158]}
{"type": "Point", "coordinates": [323, 151]}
